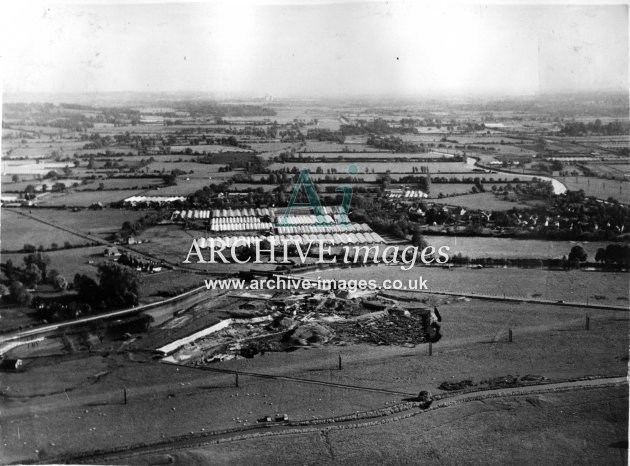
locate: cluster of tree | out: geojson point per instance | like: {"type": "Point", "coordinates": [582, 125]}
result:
{"type": "Point", "coordinates": [478, 186]}
{"type": "Point", "coordinates": [377, 126]}
{"type": "Point", "coordinates": [577, 255]}
{"type": "Point", "coordinates": [379, 214]}
{"type": "Point", "coordinates": [136, 262]}
{"type": "Point", "coordinates": [208, 108]}
{"type": "Point", "coordinates": [94, 140]}
{"type": "Point", "coordinates": [578, 128]}
{"type": "Point", "coordinates": [323, 134]}
{"type": "Point", "coordinates": [245, 160]}
{"type": "Point", "coordinates": [522, 262]}
{"type": "Point", "coordinates": [394, 144]}
{"type": "Point", "coordinates": [614, 255]}
{"type": "Point", "coordinates": [420, 182]}
{"type": "Point", "coordinates": [169, 179]}
{"type": "Point", "coordinates": [31, 248]}
{"type": "Point", "coordinates": [117, 287]}
{"type": "Point", "coordinates": [529, 191]}
{"type": "Point", "coordinates": [473, 180]}
{"type": "Point", "coordinates": [263, 132]}
{"type": "Point", "coordinates": [23, 278]}
{"type": "Point", "coordinates": [130, 229]}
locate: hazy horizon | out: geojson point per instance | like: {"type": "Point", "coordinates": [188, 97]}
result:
{"type": "Point", "coordinates": [358, 50]}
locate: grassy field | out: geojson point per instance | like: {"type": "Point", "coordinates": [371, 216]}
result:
{"type": "Point", "coordinates": [199, 169]}
{"type": "Point", "coordinates": [186, 185]}
{"type": "Point", "coordinates": [519, 430]}
{"type": "Point", "coordinates": [122, 183]}
{"type": "Point", "coordinates": [475, 247]}
{"type": "Point", "coordinates": [600, 188]}
{"type": "Point", "coordinates": [571, 286]}
{"type": "Point", "coordinates": [69, 261]}
{"type": "Point", "coordinates": [96, 222]}
{"type": "Point", "coordinates": [448, 189]}
{"type": "Point", "coordinates": [18, 230]}
{"type": "Point", "coordinates": [86, 198]}
{"type": "Point", "coordinates": [485, 201]}
{"type": "Point", "coordinates": [271, 146]}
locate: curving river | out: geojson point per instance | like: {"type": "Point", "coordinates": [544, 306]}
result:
{"type": "Point", "coordinates": [558, 188]}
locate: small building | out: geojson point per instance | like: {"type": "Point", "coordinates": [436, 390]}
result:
{"type": "Point", "coordinates": [111, 251]}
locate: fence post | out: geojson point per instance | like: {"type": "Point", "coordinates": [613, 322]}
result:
{"type": "Point", "coordinates": [339, 361]}
{"type": "Point", "coordinates": [430, 348]}
{"type": "Point", "coordinates": [510, 335]}
{"type": "Point", "coordinates": [125, 395]}
{"type": "Point", "coordinates": [236, 379]}
{"type": "Point", "coordinates": [587, 323]}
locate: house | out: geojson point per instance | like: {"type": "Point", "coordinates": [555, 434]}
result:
{"type": "Point", "coordinates": [111, 251]}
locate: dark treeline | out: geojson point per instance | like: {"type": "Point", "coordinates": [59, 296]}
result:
{"type": "Point", "coordinates": [578, 128]}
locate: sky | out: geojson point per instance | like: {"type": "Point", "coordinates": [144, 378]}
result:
{"type": "Point", "coordinates": [316, 49]}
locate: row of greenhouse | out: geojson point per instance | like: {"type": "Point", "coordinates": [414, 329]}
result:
{"type": "Point", "coordinates": [333, 239]}
{"type": "Point", "coordinates": [258, 212]}
{"type": "Point", "coordinates": [261, 212]}
{"type": "Point", "coordinates": [191, 214]}
{"type": "Point", "coordinates": [245, 226]}
{"type": "Point", "coordinates": [333, 228]}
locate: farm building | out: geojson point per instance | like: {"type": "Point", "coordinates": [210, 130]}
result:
{"type": "Point", "coordinates": [111, 251]}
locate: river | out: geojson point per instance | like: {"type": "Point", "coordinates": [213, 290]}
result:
{"type": "Point", "coordinates": [558, 188]}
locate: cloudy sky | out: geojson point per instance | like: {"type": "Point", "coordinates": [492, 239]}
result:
{"type": "Point", "coordinates": [255, 48]}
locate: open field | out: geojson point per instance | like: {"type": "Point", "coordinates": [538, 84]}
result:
{"type": "Point", "coordinates": [23, 167]}
{"type": "Point", "coordinates": [69, 262]}
{"type": "Point", "coordinates": [477, 247]}
{"type": "Point", "coordinates": [187, 185]}
{"type": "Point", "coordinates": [485, 201]}
{"type": "Point", "coordinates": [86, 198]}
{"type": "Point", "coordinates": [108, 184]}
{"type": "Point", "coordinates": [271, 146]}
{"type": "Point", "coordinates": [520, 425]}
{"type": "Point", "coordinates": [573, 286]}
{"type": "Point", "coordinates": [199, 169]}
{"type": "Point", "coordinates": [122, 183]}
{"type": "Point", "coordinates": [18, 230]}
{"type": "Point", "coordinates": [94, 222]}
{"type": "Point", "coordinates": [600, 188]}
{"type": "Point", "coordinates": [172, 244]}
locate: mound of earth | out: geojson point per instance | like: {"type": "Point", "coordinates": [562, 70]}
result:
{"type": "Point", "coordinates": [308, 334]}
